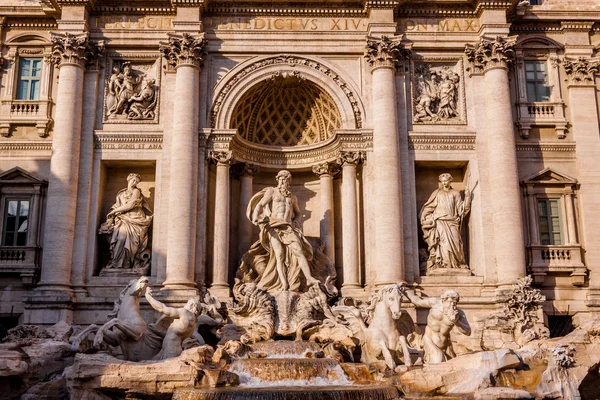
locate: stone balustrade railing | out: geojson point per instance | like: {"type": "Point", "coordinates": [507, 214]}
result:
{"type": "Point", "coordinates": [21, 260]}
{"type": "Point", "coordinates": [548, 260]}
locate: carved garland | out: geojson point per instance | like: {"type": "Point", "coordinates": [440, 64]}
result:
{"type": "Point", "coordinates": [291, 61]}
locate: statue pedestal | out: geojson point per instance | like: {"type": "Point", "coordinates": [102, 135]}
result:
{"type": "Point", "coordinates": [450, 272]}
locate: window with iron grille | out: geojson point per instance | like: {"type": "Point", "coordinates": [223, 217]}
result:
{"type": "Point", "coordinates": [30, 76]}
{"type": "Point", "coordinates": [536, 77]}
{"type": "Point", "coordinates": [560, 325]}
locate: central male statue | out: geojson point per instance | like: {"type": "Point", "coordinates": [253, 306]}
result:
{"type": "Point", "coordinates": [282, 256]}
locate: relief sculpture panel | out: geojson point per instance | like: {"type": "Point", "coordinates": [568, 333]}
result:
{"type": "Point", "coordinates": [131, 91]}
{"type": "Point", "coordinates": [437, 93]}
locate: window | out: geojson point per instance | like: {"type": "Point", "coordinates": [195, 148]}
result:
{"type": "Point", "coordinates": [536, 76]}
{"type": "Point", "coordinates": [560, 325]}
{"type": "Point", "coordinates": [535, 2]}
{"type": "Point", "coordinates": [16, 218]}
{"type": "Point", "coordinates": [549, 221]}
{"type": "Point", "coordinates": [30, 75]}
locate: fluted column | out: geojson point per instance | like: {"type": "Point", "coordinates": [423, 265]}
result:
{"type": "Point", "coordinates": [244, 224]}
{"type": "Point", "coordinates": [384, 55]}
{"type": "Point", "coordinates": [184, 53]}
{"type": "Point", "coordinates": [350, 258]}
{"type": "Point", "coordinates": [220, 285]}
{"type": "Point", "coordinates": [70, 53]}
{"type": "Point", "coordinates": [326, 171]}
{"type": "Point", "coordinates": [493, 57]}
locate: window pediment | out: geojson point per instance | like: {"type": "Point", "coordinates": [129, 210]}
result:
{"type": "Point", "coordinates": [548, 176]}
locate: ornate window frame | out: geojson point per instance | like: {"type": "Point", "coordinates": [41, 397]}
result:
{"type": "Point", "coordinates": [554, 259]}
{"type": "Point", "coordinates": [15, 112]}
{"type": "Point", "coordinates": [546, 113]}
{"type": "Point", "coordinates": [23, 260]}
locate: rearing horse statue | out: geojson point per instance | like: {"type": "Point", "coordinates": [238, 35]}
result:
{"type": "Point", "coordinates": [126, 328]}
{"type": "Point", "coordinates": [382, 330]}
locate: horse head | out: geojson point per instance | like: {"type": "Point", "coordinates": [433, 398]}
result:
{"type": "Point", "coordinates": [138, 286]}
{"type": "Point", "coordinates": [391, 297]}
{"type": "Point", "coordinates": [211, 305]}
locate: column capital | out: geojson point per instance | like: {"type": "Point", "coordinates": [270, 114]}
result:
{"type": "Point", "coordinates": [184, 49]}
{"type": "Point", "coordinates": [385, 52]}
{"type": "Point", "coordinates": [491, 53]}
{"type": "Point", "coordinates": [581, 71]}
{"type": "Point", "coordinates": [327, 168]}
{"type": "Point", "coordinates": [220, 157]}
{"type": "Point", "coordinates": [77, 49]}
{"type": "Point", "coordinates": [351, 157]}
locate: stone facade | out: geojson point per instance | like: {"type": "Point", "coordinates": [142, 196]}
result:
{"type": "Point", "coordinates": [365, 102]}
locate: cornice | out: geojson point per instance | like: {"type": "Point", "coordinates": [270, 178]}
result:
{"type": "Point", "coordinates": [426, 10]}
{"type": "Point", "coordinates": [21, 146]}
{"type": "Point", "coordinates": [228, 9]}
{"type": "Point", "coordinates": [43, 23]}
{"type": "Point", "coordinates": [546, 147]}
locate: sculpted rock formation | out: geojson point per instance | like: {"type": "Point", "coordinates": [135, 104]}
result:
{"type": "Point", "coordinates": [127, 226]}
{"type": "Point", "coordinates": [282, 258]}
{"type": "Point", "coordinates": [441, 220]}
{"type": "Point", "coordinates": [443, 317]}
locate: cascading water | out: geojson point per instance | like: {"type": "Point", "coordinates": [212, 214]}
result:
{"type": "Point", "coordinates": [287, 374]}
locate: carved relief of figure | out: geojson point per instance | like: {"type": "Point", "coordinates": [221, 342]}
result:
{"type": "Point", "coordinates": [441, 219]}
{"type": "Point", "coordinates": [443, 317]}
{"type": "Point", "coordinates": [183, 326]}
{"type": "Point", "coordinates": [143, 103]}
{"type": "Point", "coordinates": [282, 258]}
{"type": "Point", "coordinates": [127, 223]}
{"type": "Point", "coordinates": [436, 94]}
{"type": "Point", "coordinates": [115, 84]}
{"type": "Point", "coordinates": [448, 89]}
{"type": "Point", "coordinates": [130, 94]}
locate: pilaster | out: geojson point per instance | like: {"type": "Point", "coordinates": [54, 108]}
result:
{"type": "Point", "coordinates": [326, 171]}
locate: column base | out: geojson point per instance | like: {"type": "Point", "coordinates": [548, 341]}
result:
{"type": "Point", "coordinates": [48, 305]}
{"type": "Point", "coordinates": [385, 283]}
{"type": "Point", "coordinates": [353, 290]}
{"type": "Point", "coordinates": [221, 291]}
{"type": "Point", "coordinates": [179, 290]}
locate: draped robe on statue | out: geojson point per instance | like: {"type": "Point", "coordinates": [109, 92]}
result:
{"type": "Point", "coordinates": [441, 217]}
{"type": "Point", "coordinates": [259, 264]}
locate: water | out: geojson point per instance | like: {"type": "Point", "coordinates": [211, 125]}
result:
{"type": "Point", "coordinates": [289, 393]}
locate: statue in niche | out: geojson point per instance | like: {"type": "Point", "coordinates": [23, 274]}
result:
{"type": "Point", "coordinates": [127, 225]}
{"type": "Point", "coordinates": [130, 94]}
{"type": "Point", "coordinates": [443, 317]}
{"type": "Point", "coordinates": [282, 258]}
{"type": "Point", "coordinates": [442, 218]}
{"type": "Point", "coordinates": [183, 327]}
{"type": "Point", "coordinates": [436, 94]}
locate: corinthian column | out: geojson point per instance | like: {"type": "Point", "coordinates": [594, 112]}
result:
{"type": "Point", "coordinates": [326, 171]}
{"type": "Point", "coordinates": [493, 58]}
{"type": "Point", "coordinates": [71, 53]}
{"type": "Point", "coordinates": [384, 55]}
{"type": "Point", "coordinates": [349, 161]}
{"type": "Point", "coordinates": [220, 285]}
{"type": "Point", "coordinates": [184, 53]}
{"type": "Point", "coordinates": [244, 225]}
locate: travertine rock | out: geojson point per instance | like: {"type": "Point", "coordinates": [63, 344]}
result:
{"type": "Point", "coordinates": [464, 374]}
{"type": "Point", "coordinates": [95, 373]}
{"type": "Point", "coordinates": [502, 393]}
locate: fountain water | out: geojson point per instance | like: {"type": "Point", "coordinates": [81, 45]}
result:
{"type": "Point", "coordinates": [287, 374]}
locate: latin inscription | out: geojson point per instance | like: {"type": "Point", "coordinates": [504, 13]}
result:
{"type": "Point", "coordinates": [286, 24]}
{"type": "Point", "coordinates": [134, 22]}
{"type": "Point", "coordinates": [438, 25]}
{"type": "Point", "coordinates": [128, 146]}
